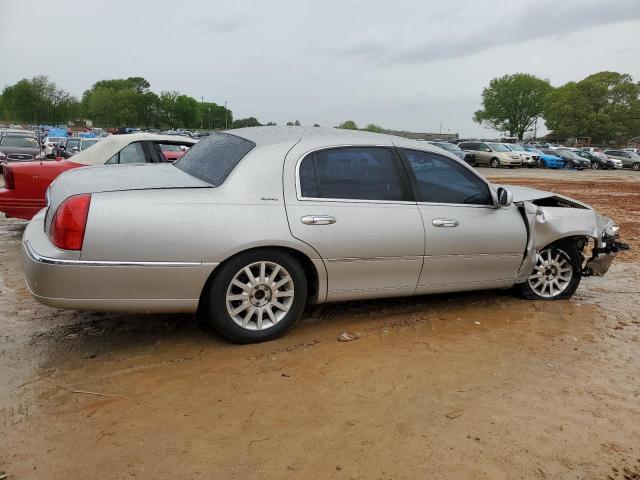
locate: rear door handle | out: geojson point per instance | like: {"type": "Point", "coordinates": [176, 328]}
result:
{"type": "Point", "coordinates": [318, 219]}
{"type": "Point", "coordinates": [445, 222]}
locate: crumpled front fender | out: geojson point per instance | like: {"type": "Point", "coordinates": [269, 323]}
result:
{"type": "Point", "coordinates": [549, 224]}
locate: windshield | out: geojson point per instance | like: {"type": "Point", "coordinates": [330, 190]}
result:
{"type": "Point", "coordinates": [87, 143]}
{"type": "Point", "coordinates": [498, 147]}
{"type": "Point", "coordinates": [567, 153]}
{"type": "Point", "coordinates": [19, 142]}
{"type": "Point", "coordinates": [72, 144]}
{"type": "Point", "coordinates": [533, 150]}
{"type": "Point", "coordinates": [213, 158]}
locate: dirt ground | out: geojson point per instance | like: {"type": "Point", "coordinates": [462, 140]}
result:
{"type": "Point", "coordinates": [469, 386]}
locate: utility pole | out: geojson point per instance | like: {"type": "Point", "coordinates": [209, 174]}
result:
{"type": "Point", "coordinates": [440, 132]}
{"type": "Point", "coordinates": [202, 112]}
{"type": "Point", "coordinates": [226, 127]}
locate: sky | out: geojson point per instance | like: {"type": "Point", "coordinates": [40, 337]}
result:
{"type": "Point", "coordinates": [406, 65]}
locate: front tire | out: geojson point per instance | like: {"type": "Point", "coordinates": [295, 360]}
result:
{"type": "Point", "coordinates": [595, 165]}
{"type": "Point", "coordinates": [543, 164]}
{"type": "Point", "coordinates": [556, 275]}
{"type": "Point", "coordinates": [256, 296]}
{"type": "Point", "coordinates": [636, 167]}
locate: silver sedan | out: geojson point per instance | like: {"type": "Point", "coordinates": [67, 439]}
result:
{"type": "Point", "coordinates": [253, 224]}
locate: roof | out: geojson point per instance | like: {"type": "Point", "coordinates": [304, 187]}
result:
{"type": "Point", "coordinates": [109, 146]}
{"type": "Point", "coordinates": [269, 135]}
{"type": "Point", "coordinates": [314, 137]}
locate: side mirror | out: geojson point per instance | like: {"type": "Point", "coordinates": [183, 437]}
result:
{"type": "Point", "coordinates": [488, 149]}
{"type": "Point", "coordinates": [505, 197]}
{"type": "Point", "coordinates": [75, 149]}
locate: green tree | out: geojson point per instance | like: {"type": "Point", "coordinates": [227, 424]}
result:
{"type": "Point", "coordinates": [348, 125]}
{"type": "Point", "coordinates": [272, 124]}
{"type": "Point", "coordinates": [372, 127]}
{"type": "Point", "coordinates": [38, 100]}
{"type": "Point", "coordinates": [246, 122]}
{"type": "Point", "coordinates": [289, 124]}
{"type": "Point", "coordinates": [187, 112]}
{"type": "Point", "coordinates": [603, 106]}
{"type": "Point", "coordinates": [316, 124]}
{"type": "Point", "coordinates": [513, 103]}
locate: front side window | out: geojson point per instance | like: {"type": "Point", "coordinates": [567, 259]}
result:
{"type": "Point", "coordinates": [441, 180]}
{"type": "Point", "coordinates": [355, 173]}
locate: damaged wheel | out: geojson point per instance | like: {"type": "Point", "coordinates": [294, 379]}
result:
{"type": "Point", "coordinates": [556, 275]}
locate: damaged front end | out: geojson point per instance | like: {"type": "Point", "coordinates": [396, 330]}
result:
{"type": "Point", "coordinates": [551, 217]}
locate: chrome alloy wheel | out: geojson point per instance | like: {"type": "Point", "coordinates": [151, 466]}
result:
{"type": "Point", "coordinates": [260, 295]}
{"type": "Point", "coordinates": [552, 274]}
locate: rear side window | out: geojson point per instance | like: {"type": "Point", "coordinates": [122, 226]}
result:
{"type": "Point", "coordinates": [213, 157]}
{"type": "Point", "coordinates": [355, 173]}
{"type": "Point", "coordinates": [441, 180]}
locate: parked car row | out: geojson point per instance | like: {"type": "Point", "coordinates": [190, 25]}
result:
{"type": "Point", "coordinates": [497, 154]}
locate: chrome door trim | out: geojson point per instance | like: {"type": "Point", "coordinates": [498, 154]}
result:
{"type": "Point", "coordinates": [101, 263]}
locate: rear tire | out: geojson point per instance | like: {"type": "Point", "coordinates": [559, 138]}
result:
{"type": "Point", "coordinates": [543, 164]}
{"type": "Point", "coordinates": [262, 307]}
{"type": "Point", "coordinates": [595, 165]}
{"type": "Point", "coordinates": [557, 273]}
{"type": "Point", "coordinates": [494, 163]}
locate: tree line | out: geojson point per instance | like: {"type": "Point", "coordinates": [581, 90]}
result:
{"type": "Point", "coordinates": [604, 106]}
{"type": "Point", "coordinates": [110, 103]}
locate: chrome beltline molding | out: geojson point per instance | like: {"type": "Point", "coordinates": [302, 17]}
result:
{"type": "Point", "coordinates": [98, 263]}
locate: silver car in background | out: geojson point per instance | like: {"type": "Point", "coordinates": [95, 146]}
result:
{"type": "Point", "coordinates": [252, 224]}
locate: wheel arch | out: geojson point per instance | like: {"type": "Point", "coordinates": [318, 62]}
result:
{"type": "Point", "coordinates": [315, 271]}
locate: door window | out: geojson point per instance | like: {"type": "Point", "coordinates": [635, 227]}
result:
{"type": "Point", "coordinates": [441, 180]}
{"type": "Point", "coordinates": [132, 153]}
{"type": "Point", "coordinates": [356, 173]}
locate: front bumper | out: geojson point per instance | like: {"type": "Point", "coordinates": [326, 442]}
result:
{"type": "Point", "coordinates": [602, 257]}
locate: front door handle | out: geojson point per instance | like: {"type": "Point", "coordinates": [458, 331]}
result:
{"type": "Point", "coordinates": [318, 219]}
{"type": "Point", "coordinates": [445, 222]}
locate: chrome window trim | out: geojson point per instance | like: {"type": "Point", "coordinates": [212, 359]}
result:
{"type": "Point", "coordinates": [36, 257]}
{"type": "Point", "coordinates": [304, 155]}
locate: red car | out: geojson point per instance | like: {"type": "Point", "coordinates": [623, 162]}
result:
{"type": "Point", "coordinates": [26, 183]}
{"type": "Point", "coordinates": [173, 152]}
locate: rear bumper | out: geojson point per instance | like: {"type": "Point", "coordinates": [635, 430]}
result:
{"type": "Point", "coordinates": [77, 284]}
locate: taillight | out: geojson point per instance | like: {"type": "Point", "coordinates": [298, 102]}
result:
{"type": "Point", "coordinates": [9, 181]}
{"type": "Point", "coordinates": [69, 222]}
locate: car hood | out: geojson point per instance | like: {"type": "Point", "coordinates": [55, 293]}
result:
{"type": "Point", "coordinates": [113, 178]}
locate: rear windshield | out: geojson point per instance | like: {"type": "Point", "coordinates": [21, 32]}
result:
{"type": "Point", "coordinates": [213, 157]}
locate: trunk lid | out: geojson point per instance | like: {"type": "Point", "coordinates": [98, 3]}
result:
{"type": "Point", "coordinates": [113, 178]}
